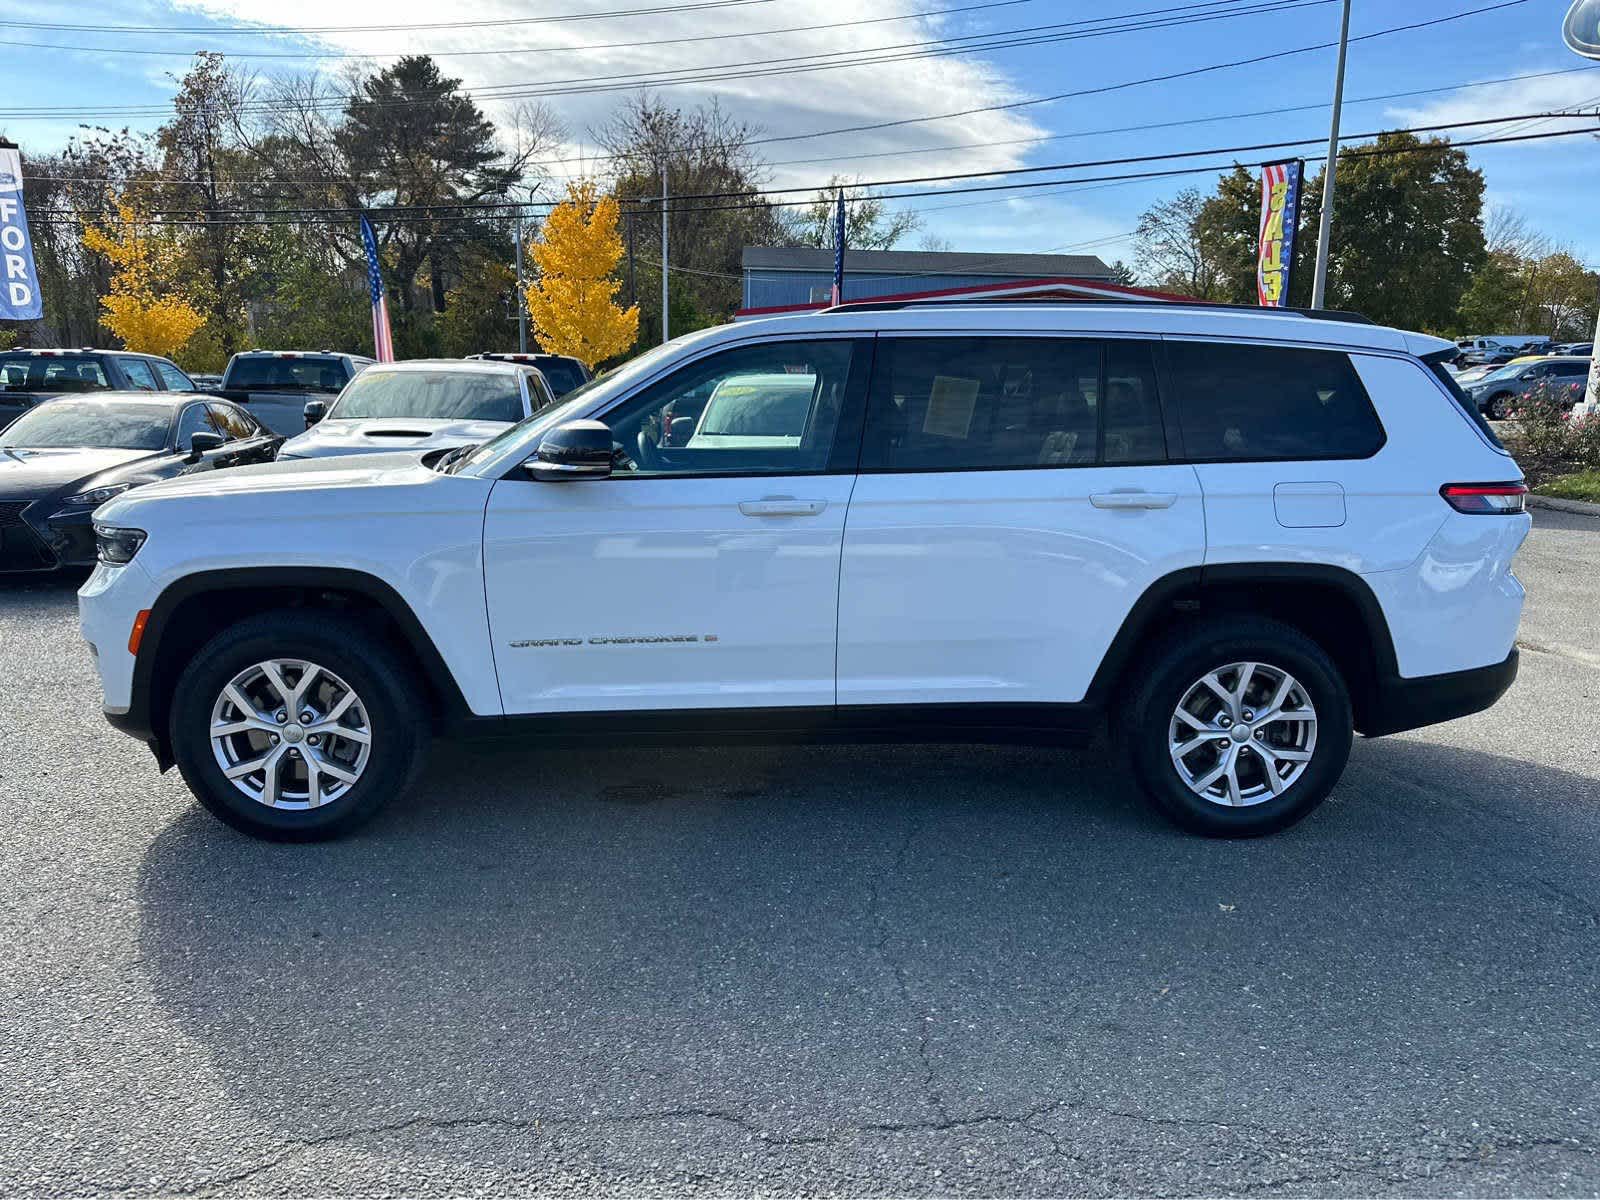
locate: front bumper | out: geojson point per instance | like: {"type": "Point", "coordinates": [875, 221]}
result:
{"type": "Point", "coordinates": [1399, 704]}
{"type": "Point", "coordinates": [33, 539]}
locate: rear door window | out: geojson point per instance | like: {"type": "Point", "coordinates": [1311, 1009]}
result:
{"type": "Point", "coordinates": [175, 379]}
{"type": "Point", "coordinates": [994, 403]}
{"type": "Point", "coordinates": [1239, 402]}
{"type": "Point", "coordinates": [140, 375]}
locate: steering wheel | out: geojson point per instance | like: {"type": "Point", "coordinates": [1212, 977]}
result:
{"type": "Point", "coordinates": [647, 458]}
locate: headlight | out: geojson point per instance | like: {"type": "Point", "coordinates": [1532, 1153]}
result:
{"type": "Point", "coordinates": [115, 546]}
{"type": "Point", "coordinates": [98, 496]}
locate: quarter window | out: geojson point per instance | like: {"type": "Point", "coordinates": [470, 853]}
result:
{"type": "Point", "coordinates": [175, 379]}
{"type": "Point", "coordinates": [952, 404]}
{"type": "Point", "coordinates": [1242, 402]}
{"type": "Point", "coordinates": [767, 409]}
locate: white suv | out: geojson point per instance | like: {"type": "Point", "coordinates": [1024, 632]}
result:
{"type": "Point", "coordinates": [1236, 534]}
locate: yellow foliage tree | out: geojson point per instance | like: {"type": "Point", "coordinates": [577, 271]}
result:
{"type": "Point", "coordinates": [146, 308]}
{"type": "Point", "coordinates": [573, 302]}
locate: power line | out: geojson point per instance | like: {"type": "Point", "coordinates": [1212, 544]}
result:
{"type": "Point", "coordinates": [330, 180]}
{"type": "Point", "coordinates": [509, 207]}
{"type": "Point", "coordinates": [568, 49]}
{"type": "Point", "coordinates": [335, 216]}
{"type": "Point", "coordinates": [762, 68]}
{"type": "Point", "coordinates": [696, 6]}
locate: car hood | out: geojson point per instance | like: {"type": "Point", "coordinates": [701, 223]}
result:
{"type": "Point", "coordinates": [387, 434]}
{"type": "Point", "coordinates": [25, 473]}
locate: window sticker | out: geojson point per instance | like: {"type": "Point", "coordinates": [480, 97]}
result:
{"type": "Point", "coordinates": [951, 403]}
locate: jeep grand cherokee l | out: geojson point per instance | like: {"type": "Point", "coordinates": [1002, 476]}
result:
{"type": "Point", "coordinates": [1235, 536]}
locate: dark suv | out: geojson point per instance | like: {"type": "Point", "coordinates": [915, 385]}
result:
{"type": "Point", "coordinates": [561, 371]}
{"type": "Point", "coordinates": [28, 377]}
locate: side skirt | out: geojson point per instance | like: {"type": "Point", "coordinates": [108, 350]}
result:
{"type": "Point", "coordinates": [1014, 724]}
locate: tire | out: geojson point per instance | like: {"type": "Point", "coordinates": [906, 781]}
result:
{"type": "Point", "coordinates": [375, 743]}
{"type": "Point", "coordinates": [1318, 740]}
{"type": "Point", "coordinates": [1494, 406]}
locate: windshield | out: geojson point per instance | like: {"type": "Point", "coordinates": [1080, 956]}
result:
{"type": "Point", "coordinates": [760, 405]}
{"type": "Point", "coordinates": [304, 373]}
{"type": "Point", "coordinates": [1506, 372]}
{"type": "Point", "coordinates": [52, 373]}
{"type": "Point", "coordinates": [526, 433]}
{"type": "Point", "coordinates": [441, 395]}
{"type": "Point", "coordinates": [85, 423]}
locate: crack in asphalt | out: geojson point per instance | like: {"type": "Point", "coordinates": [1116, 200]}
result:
{"type": "Point", "coordinates": [876, 916]}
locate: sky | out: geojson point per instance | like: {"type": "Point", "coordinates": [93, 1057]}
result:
{"type": "Point", "coordinates": [1552, 182]}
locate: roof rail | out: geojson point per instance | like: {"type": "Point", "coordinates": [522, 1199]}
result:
{"type": "Point", "coordinates": [1318, 314]}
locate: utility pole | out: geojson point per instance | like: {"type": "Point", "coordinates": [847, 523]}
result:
{"type": "Point", "coordinates": [666, 328]}
{"type": "Point", "coordinates": [522, 295]}
{"type": "Point", "coordinates": [633, 290]}
{"type": "Point", "coordinates": [1319, 284]}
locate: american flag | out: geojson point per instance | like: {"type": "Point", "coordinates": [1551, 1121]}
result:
{"type": "Point", "coordinates": [838, 251]}
{"type": "Point", "coordinates": [382, 343]}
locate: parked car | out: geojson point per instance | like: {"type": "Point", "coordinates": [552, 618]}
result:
{"type": "Point", "coordinates": [420, 405]}
{"type": "Point", "coordinates": [562, 372]}
{"type": "Point", "coordinates": [206, 382]}
{"type": "Point", "coordinates": [29, 377]}
{"type": "Point", "coordinates": [274, 384]}
{"type": "Point", "coordinates": [1581, 349]}
{"type": "Point", "coordinates": [1470, 375]}
{"type": "Point", "coordinates": [1501, 347]}
{"type": "Point", "coordinates": [1497, 392]}
{"type": "Point", "coordinates": [62, 459]}
{"type": "Point", "coordinates": [1235, 535]}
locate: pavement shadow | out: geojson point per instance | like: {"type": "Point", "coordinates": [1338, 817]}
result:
{"type": "Point", "coordinates": [825, 939]}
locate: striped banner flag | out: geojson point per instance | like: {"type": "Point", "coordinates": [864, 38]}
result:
{"type": "Point", "coordinates": [382, 342]}
{"type": "Point", "coordinates": [838, 251]}
{"type": "Point", "coordinates": [1280, 215]}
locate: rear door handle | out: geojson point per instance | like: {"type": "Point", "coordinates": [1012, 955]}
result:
{"type": "Point", "coordinates": [1133, 499]}
{"type": "Point", "coordinates": [781, 506]}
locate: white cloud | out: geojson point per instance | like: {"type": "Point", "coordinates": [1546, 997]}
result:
{"type": "Point", "coordinates": [1548, 94]}
{"type": "Point", "coordinates": [781, 104]}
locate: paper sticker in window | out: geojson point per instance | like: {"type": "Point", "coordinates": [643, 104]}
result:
{"type": "Point", "coordinates": [951, 403]}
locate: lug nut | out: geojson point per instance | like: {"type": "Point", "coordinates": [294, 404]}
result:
{"type": "Point", "coordinates": [307, 716]}
{"type": "Point", "coordinates": [1221, 741]}
{"type": "Point", "coordinates": [294, 753]}
{"type": "Point", "coordinates": [314, 740]}
{"type": "Point", "coordinates": [1224, 721]}
{"type": "Point", "coordinates": [1245, 749]}
{"type": "Point", "coordinates": [281, 716]}
{"type": "Point", "coordinates": [273, 738]}
{"type": "Point", "coordinates": [1248, 715]}
{"type": "Point", "coordinates": [1261, 735]}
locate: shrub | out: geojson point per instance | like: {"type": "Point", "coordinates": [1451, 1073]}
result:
{"type": "Point", "coordinates": [1545, 439]}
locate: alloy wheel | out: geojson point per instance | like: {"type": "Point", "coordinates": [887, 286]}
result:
{"type": "Point", "coordinates": [1243, 734]}
{"type": "Point", "coordinates": [290, 734]}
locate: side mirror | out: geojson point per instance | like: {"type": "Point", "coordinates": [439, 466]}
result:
{"type": "Point", "coordinates": [202, 442]}
{"type": "Point", "coordinates": [315, 410]}
{"type": "Point", "coordinates": [576, 450]}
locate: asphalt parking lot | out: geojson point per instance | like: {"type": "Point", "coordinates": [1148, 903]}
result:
{"type": "Point", "coordinates": [878, 970]}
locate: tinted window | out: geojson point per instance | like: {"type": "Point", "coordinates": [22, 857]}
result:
{"type": "Point", "coordinates": [439, 395]}
{"type": "Point", "coordinates": [1463, 401]}
{"type": "Point", "coordinates": [139, 374]}
{"type": "Point", "coordinates": [1576, 367]}
{"type": "Point", "coordinates": [175, 379]}
{"type": "Point", "coordinates": [91, 423]}
{"type": "Point", "coordinates": [65, 373]}
{"type": "Point", "coordinates": [233, 423]}
{"type": "Point", "coordinates": [769, 409]}
{"type": "Point", "coordinates": [948, 404]}
{"type": "Point", "coordinates": [303, 373]}
{"type": "Point", "coordinates": [562, 374]}
{"type": "Point", "coordinates": [195, 419]}
{"type": "Point", "coordinates": [1270, 402]}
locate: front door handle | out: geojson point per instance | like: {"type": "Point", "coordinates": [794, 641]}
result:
{"type": "Point", "coordinates": [781, 506]}
{"type": "Point", "coordinates": [1128, 500]}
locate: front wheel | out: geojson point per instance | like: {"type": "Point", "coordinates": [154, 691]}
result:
{"type": "Point", "coordinates": [1240, 728]}
{"type": "Point", "coordinates": [297, 726]}
{"type": "Point", "coordinates": [1494, 409]}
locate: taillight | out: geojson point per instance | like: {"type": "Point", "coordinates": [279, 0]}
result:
{"type": "Point", "coordinates": [1486, 498]}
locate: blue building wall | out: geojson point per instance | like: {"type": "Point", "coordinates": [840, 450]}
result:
{"type": "Point", "coordinates": [771, 289]}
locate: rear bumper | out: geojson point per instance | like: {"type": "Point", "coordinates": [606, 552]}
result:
{"type": "Point", "coordinates": [1400, 704]}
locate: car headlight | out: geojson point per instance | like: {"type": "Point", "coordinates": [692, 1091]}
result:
{"type": "Point", "coordinates": [98, 496]}
{"type": "Point", "coordinates": [115, 546]}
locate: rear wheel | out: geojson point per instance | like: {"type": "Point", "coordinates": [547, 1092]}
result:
{"type": "Point", "coordinates": [296, 726]}
{"type": "Point", "coordinates": [1495, 407]}
{"type": "Point", "coordinates": [1240, 728]}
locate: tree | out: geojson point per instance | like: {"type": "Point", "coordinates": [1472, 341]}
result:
{"type": "Point", "coordinates": [1407, 230]}
{"type": "Point", "coordinates": [144, 307]}
{"type": "Point", "coordinates": [1172, 253]}
{"type": "Point", "coordinates": [702, 152]}
{"type": "Point", "coordinates": [480, 310]}
{"type": "Point", "coordinates": [869, 223]}
{"type": "Point", "coordinates": [573, 302]}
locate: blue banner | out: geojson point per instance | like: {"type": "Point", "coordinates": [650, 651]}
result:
{"type": "Point", "coordinates": [19, 279]}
